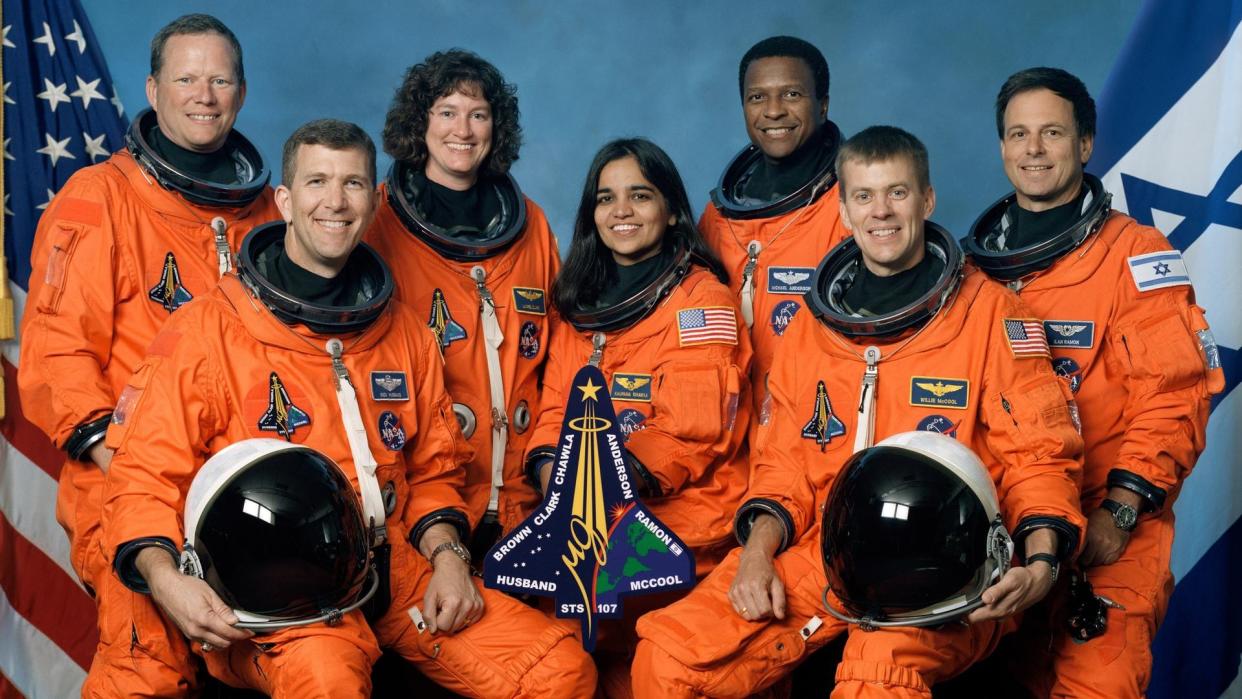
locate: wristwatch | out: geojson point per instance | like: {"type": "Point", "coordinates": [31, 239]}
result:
{"type": "Point", "coordinates": [1048, 558]}
{"type": "Point", "coordinates": [1124, 516]}
{"type": "Point", "coordinates": [457, 549]}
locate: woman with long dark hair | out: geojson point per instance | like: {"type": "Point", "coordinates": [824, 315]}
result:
{"type": "Point", "coordinates": [645, 300]}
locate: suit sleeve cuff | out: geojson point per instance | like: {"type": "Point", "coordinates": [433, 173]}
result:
{"type": "Point", "coordinates": [535, 461]}
{"type": "Point", "coordinates": [456, 518]}
{"type": "Point", "coordinates": [649, 486]}
{"type": "Point", "coordinates": [1067, 534]}
{"type": "Point", "coordinates": [127, 555]}
{"type": "Point", "coordinates": [1152, 495]}
{"type": "Point", "coordinates": [746, 514]}
{"type": "Point", "coordinates": [86, 435]}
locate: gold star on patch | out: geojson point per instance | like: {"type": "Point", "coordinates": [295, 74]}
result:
{"type": "Point", "coordinates": [589, 391]}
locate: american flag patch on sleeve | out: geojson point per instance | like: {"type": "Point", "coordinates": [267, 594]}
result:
{"type": "Point", "coordinates": [702, 326]}
{"type": "Point", "coordinates": [1026, 338]}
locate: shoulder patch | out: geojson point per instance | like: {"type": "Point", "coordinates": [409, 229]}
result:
{"type": "Point", "coordinates": [78, 210]}
{"type": "Point", "coordinates": [389, 386]}
{"type": "Point", "coordinates": [632, 387]}
{"type": "Point", "coordinates": [527, 299]}
{"type": "Point", "coordinates": [935, 392]}
{"type": "Point", "coordinates": [1158, 269]}
{"type": "Point", "coordinates": [1070, 334]}
{"type": "Point", "coordinates": [709, 325]}
{"type": "Point", "coordinates": [789, 280]}
{"type": "Point", "coordinates": [1026, 337]}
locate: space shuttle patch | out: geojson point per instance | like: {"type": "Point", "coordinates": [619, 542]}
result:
{"type": "Point", "coordinates": [441, 322]}
{"type": "Point", "coordinates": [168, 291]}
{"type": "Point", "coordinates": [823, 425]}
{"type": "Point", "coordinates": [591, 542]}
{"type": "Point", "coordinates": [282, 415]}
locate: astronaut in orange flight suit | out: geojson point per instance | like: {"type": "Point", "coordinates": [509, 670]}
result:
{"type": "Point", "coordinates": [264, 361]}
{"type": "Point", "coordinates": [961, 358]}
{"type": "Point", "coordinates": [682, 409]}
{"type": "Point", "coordinates": [1136, 352]}
{"type": "Point", "coordinates": [775, 212]}
{"type": "Point", "coordinates": [457, 269]}
{"type": "Point", "coordinates": [122, 246]}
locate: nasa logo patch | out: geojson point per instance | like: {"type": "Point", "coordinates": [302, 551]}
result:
{"type": "Point", "coordinates": [938, 424]}
{"type": "Point", "coordinates": [1068, 369]}
{"type": "Point", "coordinates": [789, 280]}
{"type": "Point", "coordinates": [1070, 334]}
{"type": "Point", "coordinates": [630, 421]}
{"type": "Point", "coordinates": [390, 430]}
{"type": "Point", "coordinates": [528, 341]}
{"type": "Point", "coordinates": [389, 386]}
{"type": "Point", "coordinates": [782, 314]}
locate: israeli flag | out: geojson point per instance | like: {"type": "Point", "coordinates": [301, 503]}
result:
{"type": "Point", "coordinates": [1170, 150]}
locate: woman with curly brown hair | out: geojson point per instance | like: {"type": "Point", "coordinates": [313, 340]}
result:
{"type": "Point", "coordinates": [474, 254]}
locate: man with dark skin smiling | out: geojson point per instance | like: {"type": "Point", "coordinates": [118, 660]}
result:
{"type": "Point", "coordinates": [891, 311]}
{"type": "Point", "coordinates": [775, 211]}
{"type": "Point", "coordinates": [120, 249]}
{"type": "Point", "coordinates": [1137, 354]}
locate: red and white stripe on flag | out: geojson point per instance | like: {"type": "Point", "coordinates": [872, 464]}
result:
{"type": "Point", "coordinates": [712, 324]}
{"type": "Point", "coordinates": [1026, 338]}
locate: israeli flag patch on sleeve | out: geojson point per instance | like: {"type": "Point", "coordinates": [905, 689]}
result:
{"type": "Point", "coordinates": [1157, 270]}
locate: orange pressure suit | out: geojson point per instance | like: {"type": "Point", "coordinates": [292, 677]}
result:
{"type": "Point", "coordinates": [1143, 372]}
{"type": "Point", "coordinates": [212, 378]}
{"type": "Point", "coordinates": [787, 246]}
{"type": "Point", "coordinates": [445, 292]}
{"type": "Point", "coordinates": [957, 375]}
{"type": "Point", "coordinates": [115, 254]}
{"type": "Point", "coordinates": [683, 412]}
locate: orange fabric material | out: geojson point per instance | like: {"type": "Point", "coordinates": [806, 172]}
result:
{"type": "Point", "coordinates": [210, 392]}
{"type": "Point", "coordinates": [530, 263]}
{"type": "Point", "coordinates": [798, 239]}
{"type": "Point", "coordinates": [214, 387]}
{"type": "Point", "coordinates": [1143, 392]}
{"type": "Point", "coordinates": [700, 647]}
{"type": "Point", "coordinates": [100, 248]}
{"type": "Point", "coordinates": [1011, 411]}
{"type": "Point", "coordinates": [140, 653]}
{"type": "Point", "coordinates": [686, 422]}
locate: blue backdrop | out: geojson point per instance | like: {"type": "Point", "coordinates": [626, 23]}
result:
{"type": "Point", "coordinates": [589, 71]}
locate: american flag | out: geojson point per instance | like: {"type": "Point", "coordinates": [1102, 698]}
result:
{"type": "Point", "coordinates": [60, 114]}
{"type": "Point", "coordinates": [1026, 338]}
{"type": "Point", "coordinates": [700, 326]}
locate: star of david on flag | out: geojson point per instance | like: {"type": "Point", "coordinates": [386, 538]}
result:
{"type": "Point", "coordinates": [1169, 148]}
